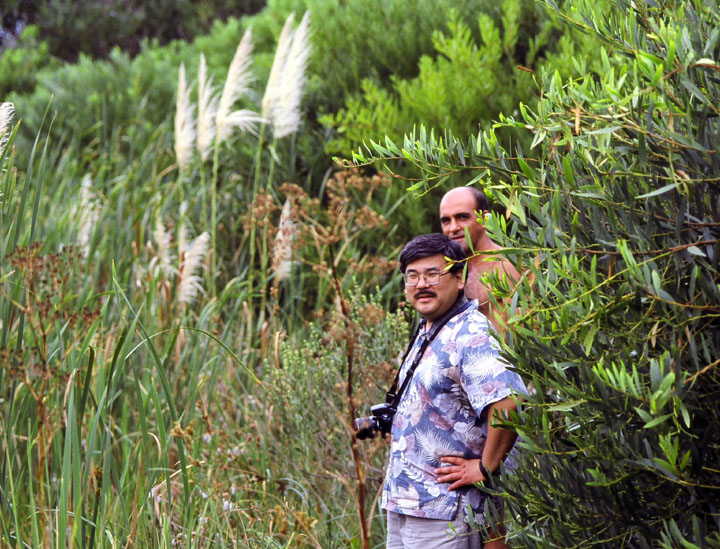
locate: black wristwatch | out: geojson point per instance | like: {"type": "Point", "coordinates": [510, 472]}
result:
{"type": "Point", "coordinates": [488, 481]}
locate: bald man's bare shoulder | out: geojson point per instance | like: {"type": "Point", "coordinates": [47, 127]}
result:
{"type": "Point", "coordinates": [486, 263]}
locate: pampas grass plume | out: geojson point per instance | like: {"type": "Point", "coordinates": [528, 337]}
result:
{"type": "Point", "coordinates": [181, 232]}
{"type": "Point", "coordinates": [163, 258]}
{"type": "Point", "coordinates": [184, 123]}
{"type": "Point", "coordinates": [207, 111]}
{"type": "Point", "coordinates": [190, 284]}
{"type": "Point", "coordinates": [237, 83]}
{"type": "Point", "coordinates": [273, 90]}
{"type": "Point", "coordinates": [88, 215]}
{"type": "Point", "coordinates": [282, 248]}
{"type": "Point", "coordinates": [286, 113]}
{"type": "Point", "coordinates": [6, 115]}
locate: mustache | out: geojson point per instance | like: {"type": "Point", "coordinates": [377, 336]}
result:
{"type": "Point", "coordinates": [425, 293]}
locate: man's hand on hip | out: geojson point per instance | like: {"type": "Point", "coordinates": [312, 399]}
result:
{"type": "Point", "coordinates": [461, 472]}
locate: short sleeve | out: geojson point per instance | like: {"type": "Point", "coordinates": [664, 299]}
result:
{"type": "Point", "coordinates": [484, 375]}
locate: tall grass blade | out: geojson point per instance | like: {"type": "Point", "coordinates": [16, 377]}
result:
{"type": "Point", "coordinates": [160, 368]}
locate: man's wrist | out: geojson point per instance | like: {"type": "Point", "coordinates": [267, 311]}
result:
{"type": "Point", "coordinates": [484, 472]}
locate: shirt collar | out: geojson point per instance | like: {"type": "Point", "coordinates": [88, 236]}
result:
{"type": "Point", "coordinates": [459, 304]}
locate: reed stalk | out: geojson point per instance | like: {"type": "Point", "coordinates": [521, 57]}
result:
{"type": "Point", "coordinates": [350, 338]}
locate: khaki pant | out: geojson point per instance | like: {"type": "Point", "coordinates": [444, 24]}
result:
{"type": "Point", "coordinates": [407, 532]}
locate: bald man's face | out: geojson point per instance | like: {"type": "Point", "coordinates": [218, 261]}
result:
{"type": "Point", "coordinates": [457, 212]}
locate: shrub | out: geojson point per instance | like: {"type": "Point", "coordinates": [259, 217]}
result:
{"type": "Point", "coordinates": [480, 66]}
{"type": "Point", "coordinates": [95, 27]}
{"type": "Point", "coordinates": [20, 65]}
{"type": "Point", "coordinates": [616, 226]}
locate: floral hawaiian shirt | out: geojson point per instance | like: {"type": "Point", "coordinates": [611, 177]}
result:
{"type": "Point", "coordinates": [441, 414]}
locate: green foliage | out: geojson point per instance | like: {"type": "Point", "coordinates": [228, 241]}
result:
{"type": "Point", "coordinates": [354, 40]}
{"type": "Point", "coordinates": [343, 54]}
{"type": "Point", "coordinates": [94, 27]}
{"type": "Point", "coordinates": [96, 99]}
{"type": "Point", "coordinates": [616, 320]}
{"type": "Point", "coordinates": [310, 407]}
{"type": "Point", "coordinates": [454, 90]}
{"type": "Point", "coordinates": [87, 26]}
{"type": "Point", "coordinates": [480, 67]}
{"type": "Point", "coordinates": [132, 414]}
{"type": "Point", "coordinates": [19, 65]}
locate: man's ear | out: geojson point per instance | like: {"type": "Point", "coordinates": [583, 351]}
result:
{"type": "Point", "coordinates": [459, 277]}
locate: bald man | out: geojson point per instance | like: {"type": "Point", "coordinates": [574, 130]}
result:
{"type": "Point", "coordinates": [466, 207]}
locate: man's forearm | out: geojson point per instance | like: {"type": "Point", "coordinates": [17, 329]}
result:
{"type": "Point", "coordinates": [499, 441]}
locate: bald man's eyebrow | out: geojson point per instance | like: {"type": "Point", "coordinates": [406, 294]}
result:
{"type": "Point", "coordinates": [459, 215]}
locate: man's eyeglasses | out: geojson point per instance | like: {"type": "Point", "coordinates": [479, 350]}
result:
{"type": "Point", "coordinates": [431, 278]}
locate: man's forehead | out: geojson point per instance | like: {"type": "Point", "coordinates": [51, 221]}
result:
{"type": "Point", "coordinates": [436, 262]}
{"type": "Point", "coordinates": [457, 201]}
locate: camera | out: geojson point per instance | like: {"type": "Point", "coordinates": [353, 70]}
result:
{"type": "Point", "coordinates": [380, 421]}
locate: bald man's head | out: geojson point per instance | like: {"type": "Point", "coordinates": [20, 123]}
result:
{"type": "Point", "coordinates": [457, 212]}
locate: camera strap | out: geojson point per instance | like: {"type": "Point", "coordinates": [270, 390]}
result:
{"type": "Point", "coordinates": [392, 397]}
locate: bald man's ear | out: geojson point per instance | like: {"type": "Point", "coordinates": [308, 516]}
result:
{"type": "Point", "coordinates": [482, 217]}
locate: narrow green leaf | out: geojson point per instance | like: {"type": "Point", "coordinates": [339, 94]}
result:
{"type": "Point", "coordinates": [657, 421]}
{"type": "Point", "coordinates": [566, 406]}
{"type": "Point", "coordinates": [526, 170]}
{"type": "Point", "coordinates": [588, 340]}
{"type": "Point", "coordinates": [609, 129]}
{"type": "Point", "coordinates": [568, 171]}
{"type": "Point", "coordinates": [661, 190]}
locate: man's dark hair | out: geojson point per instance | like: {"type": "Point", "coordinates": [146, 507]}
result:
{"type": "Point", "coordinates": [481, 201]}
{"type": "Point", "coordinates": [426, 245]}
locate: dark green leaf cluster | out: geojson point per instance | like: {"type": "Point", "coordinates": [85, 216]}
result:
{"type": "Point", "coordinates": [616, 322]}
{"type": "Point", "coordinates": [480, 66]}
{"type": "Point", "coordinates": [131, 94]}
{"type": "Point", "coordinates": [355, 40]}
{"type": "Point", "coordinates": [94, 27]}
{"type": "Point", "coordinates": [19, 66]}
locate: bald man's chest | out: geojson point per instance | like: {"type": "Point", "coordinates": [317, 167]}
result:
{"type": "Point", "coordinates": [474, 287]}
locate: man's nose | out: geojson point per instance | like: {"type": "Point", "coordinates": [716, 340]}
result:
{"type": "Point", "coordinates": [454, 225]}
{"type": "Point", "coordinates": [422, 283]}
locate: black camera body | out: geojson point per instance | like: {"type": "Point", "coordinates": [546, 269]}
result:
{"type": "Point", "coordinates": [379, 422]}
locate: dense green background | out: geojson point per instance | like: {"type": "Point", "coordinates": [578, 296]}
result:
{"type": "Point", "coordinates": [154, 392]}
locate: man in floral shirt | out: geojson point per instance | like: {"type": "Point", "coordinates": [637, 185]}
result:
{"type": "Point", "coordinates": [443, 439]}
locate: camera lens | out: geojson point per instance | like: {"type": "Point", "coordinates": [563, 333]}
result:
{"type": "Point", "coordinates": [365, 427]}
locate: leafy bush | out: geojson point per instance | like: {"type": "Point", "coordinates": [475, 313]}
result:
{"type": "Point", "coordinates": [20, 65]}
{"type": "Point", "coordinates": [481, 66]}
{"type": "Point", "coordinates": [354, 40]}
{"type": "Point", "coordinates": [616, 322]}
{"type": "Point", "coordinates": [389, 41]}
{"type": "Point", "coordinates": [96, 99]}
{"type": "Point", "coordinates": [95, 27]}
